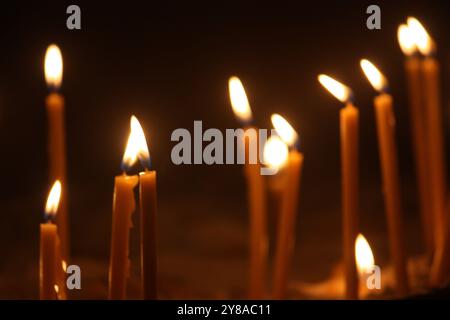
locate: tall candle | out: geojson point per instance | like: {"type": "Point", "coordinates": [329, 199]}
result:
{"type": "Point", "coordinates": [147, 197]}
{"type": "Point", "coordinates": [288, 213]}
{"type": "Point", "coordinates": [56, 137]}
{"type": "Point", "coordinates": [418, 132]}
{"type": "Point", "coordinates": [349, 123]}
{"type": "Point", "coordinates": [49, 257]}
{"type": "Point", "coordinates": [435, 142]}
{"type": "Point", "coordinates": [389, 167]}
{"type": "Point", "coordinates": [256, 195]}
{"type": "Point", "coordinates": [123, 208]}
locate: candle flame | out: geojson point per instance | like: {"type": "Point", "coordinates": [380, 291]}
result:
{"type": "Point", "coordinates": [64, 265]}
{"type": "Point", "coordinates": [143, 153]}
{"type": "Point", "coordinates": [337, 89]}
{"type": "Point", "coordinates": [363, 254]}
{"type": "Point", "coordinates": [51, 207]}
{"type": "Point", "coordinates": [284, 129]}
{"type": "Point", "coordinates": [275, 152]}
{"type": "Point", "coordinates": [373, 74]}
{"type": "Point", "coordinates": [239, 101]}
{"type": "Point", "coordinates": [422, 39]}
{"type": "Point", "coordinates": [130, 155]}
{"type": "Point", "coordinates": [56, 288]}
{"type": "Point", "coordinates": [53, 66]}
{"type": "Point", "coordinates": [406, 40]}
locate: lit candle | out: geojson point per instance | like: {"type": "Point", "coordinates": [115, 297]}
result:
{"type": "Point", "coordinates": [147, 196]}
{"type": "Point", "coordinates": [389, 167]}
{"type": "Point", "coordinates": [418, 131]}
{"type": "Point", "coordinates": [56, 137]}
{"type": "Point", "coordinates": [51, 286]}
{"type": "Point", "coordinates": [437, 170]}
{"type": "Point", "coordinates": [288, 214]}
{"type": "Point", "coordinates": [349, 117]}
{"type": "Point", "coordinates": [123, 208]}
{"type": "Point", "coordinates": [256, 192]}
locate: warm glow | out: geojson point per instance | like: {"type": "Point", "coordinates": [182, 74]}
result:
{"type": "Point", "coordinates": [64, 265]}
{"type": "Point", "coordinates": [363, 254]}
{"type": "Point", "coordinates": [284, 129]}
{"type": "Point", "coordinates": [53, 66]}
{"type": "Point", "coordinates": [239, 101]}
{"type": "Point", "coordinates": [51, 207]}
{"type": "Point", "coordinates": [56, 288]}
{"type": "Point", "coordinates": [406, 40]}
{"type": "Point", "coordinates": [375, 77]}
{"type": "Point", "coordinates": [136, 129]}
{"type": "Point", "coordinates": [275, 152]}
{"type": "Point", "coordinates": [131, 152]}
{"type": "Point", "coordinates": [337, 89]}
{"type": "Point", "coordinates": [421, 37]}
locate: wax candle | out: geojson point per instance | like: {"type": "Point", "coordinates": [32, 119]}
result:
{"type": "Point", "coordinates": [418, 131]}
{"type": "Point", "coordinates": [123, 208]}
{"type": "Point", "coordinates": [289, 202]}
{"type": "Point", "coordinates": [435, 143]}
{"type": "Point", "coordinates": [56, 137]}
{"type": "Point", "coordinates": [255, 192]}
{"type": "Point", "coordinates": [365, 263]}
{"type": "Point", "coordinates": [147, 197]}
{"type": "Point", "coordinates": [49, 258]}
{"type": "Point", "coordinates": [349, 123]}
{"type": "Point", "coordinates": [389, 167]}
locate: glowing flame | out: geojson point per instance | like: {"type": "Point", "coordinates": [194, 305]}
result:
{"type": "Point", "coordinates": [375, 77]}
{"type": "Point", "coordinates": [406, 40]}
{"type": "Point", "coordinates": [284, 129]}
{"type": "Point", "coordinates": [421, 37]}
{"type": "Point", "coordinates": [53, 66]}
{"type": "Point", "coordinates": [56, 288]}
{"type": "Point", "coordinates": [337, 89]}
{"type": "Point", "coordinates": [131, 152]}
{"type": "Point", "coordinates": [64, 265]}
{"type": "Point", "coordinates": [51, 207]}
{"type": "Point", "coordinates": [143, 153]}
{"type": "Point", "coordinates": [239, 101]}
{"type": "Point", "coordinates": [275, 152]}
{"type": "Point", "coordinates": [363, 254]}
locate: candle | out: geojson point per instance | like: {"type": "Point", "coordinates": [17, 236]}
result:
{"type": "Point", "coordinates": [418, 131]}
{"type": "Point", "coordinates": [123, 208]}
{"type": "Point", "coordinates": [389, 167]}
{"type": "Point", "coordinates": [50, 263]}
{"type": "Point", "coordinates": [56, 137]}
{"type": "Point", "coordinates": [255, 192]}
{"type": "Point", "coordinates": [147, 196]}
{"type": "Point", "coordinates": [435, 142]}
{"type": "Point", "coordinates": [349, 122]}
{"type": "Point", "coordinates": [288, 213]}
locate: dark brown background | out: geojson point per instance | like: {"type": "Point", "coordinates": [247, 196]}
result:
{"type": "Point", "coordinates": [168, 64]}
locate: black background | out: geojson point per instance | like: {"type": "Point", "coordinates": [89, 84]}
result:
{"type": "Point", "coordinates": [169, 63]}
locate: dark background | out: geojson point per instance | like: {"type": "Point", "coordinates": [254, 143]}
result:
{"type": "Point", "coordinates": [169, 65]}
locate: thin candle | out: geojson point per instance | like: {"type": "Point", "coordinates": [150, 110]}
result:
{"type": "Point", "coordinates": [56, 137]}
{"type": "Point", "coordinates": [435, 133]}
{"type": "Point", "coordinates": [50, 263]}
{"type": "Point", "coordinates": [256, 194]}
{"type": "Point", "coordinates": [289, 203]}
{"type": "Point", "coordinates": [385, 119]}
{"type": "Point", "coordinates": [418, 131]}
{"type": "Point", "coordinates": [349, 123]}
{"type": "Point", "coordinates": [123, 208]}
{"type": "Point", "coordinates": [147, 198]}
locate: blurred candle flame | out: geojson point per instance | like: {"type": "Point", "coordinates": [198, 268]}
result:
{"type": "Point", "coordinates": [406, 40]}
{"type": "Point", "coordinates": [275, 152]}
{"type": "Point", "coordinates": [337, 89]}
{"type": "Point", "coordinates": [284, 129]}
{"type": "Point", "coordinates": [51, 207]}
{"type": "Point", "coordinates": [364, 256]}
{"type": "Point", "coordinates": [422, 39]}
{"type": "Point", "coordinates": [53, 66]}
{"type": "Point", "coordinates": [239, 101]}
{"type": "Point", "coordinates": [373, 74]}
